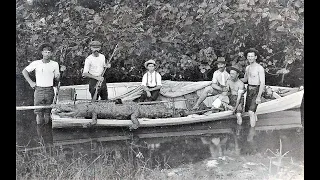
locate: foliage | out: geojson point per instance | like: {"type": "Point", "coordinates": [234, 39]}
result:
{"type": "Point", "coordinates": [185, 37]}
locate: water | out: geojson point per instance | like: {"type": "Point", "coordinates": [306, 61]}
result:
{"type": "Point", "coordinates": [167, 147]}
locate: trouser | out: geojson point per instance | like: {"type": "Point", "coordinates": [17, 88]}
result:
{"type": "Point", "coordinates": [154, 95]}
{"type": "Point", "coordinates": [102, 92]}
{"type": "Point", "coordinates": [252, 93]}
{"type": "Point", "coordinates": [43, 96]}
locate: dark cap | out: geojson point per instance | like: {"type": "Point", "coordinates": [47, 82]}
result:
{"type": "Point", "coordinates": [236, 68]}
{"type": "Point", "coordinates": [220, 60]}
{"type": "Point", "coordinates": [45, 45]}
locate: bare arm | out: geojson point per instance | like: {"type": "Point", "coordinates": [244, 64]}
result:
{"type": "Point", "coordinates": [216, 86]}
{"type": "Point", "coordinates": [27, 77]}
{"type": "Point", "coordinates": [240, 93]}
{"type": "Point", "coordinates": [245, 77]}
{"type": "Point", "coordinates": [262, 81]}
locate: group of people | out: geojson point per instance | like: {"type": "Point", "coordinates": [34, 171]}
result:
{"type": "Point", "coordinates": [227, 87]}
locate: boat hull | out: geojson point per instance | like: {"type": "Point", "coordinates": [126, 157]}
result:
{"type": "Point", "coordinates": [290, 101]}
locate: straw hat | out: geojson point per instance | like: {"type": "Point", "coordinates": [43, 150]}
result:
{"type": "Point", "coordinates": [151, 61]}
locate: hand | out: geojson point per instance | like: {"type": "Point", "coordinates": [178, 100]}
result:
{"type": "Point", "coordinates": [32, 84]}
{"type": "Point", "coordinates": [108, 65]}
{"type": "Point", "coordinates": [100, 78]}
{"type": "Point", "coordinates": [258, 100]}
{"type": "Point", "coordinates": [224, 89]}
{"type": "Point", "coordinates": [148, 94]}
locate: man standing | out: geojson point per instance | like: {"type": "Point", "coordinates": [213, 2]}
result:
{"type": "Point", "coordinates": [219, 81]}
{"type": "Point", "coordinates": [236, 89]}
{"type": "Point", "coordinates": [255, 77]}
{"type": "Point", "coordinates": [46, 71]}
{"type": "Point", "coordinates": [93, 68]}
{"type": "Point", "coordinates": [151, 82]}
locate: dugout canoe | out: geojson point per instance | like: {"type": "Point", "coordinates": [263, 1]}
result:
{"type": "Point", "coordinates": [289, 99]}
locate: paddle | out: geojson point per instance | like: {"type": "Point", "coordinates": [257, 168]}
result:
{"type": "Point", "coordinates": [98, 85]}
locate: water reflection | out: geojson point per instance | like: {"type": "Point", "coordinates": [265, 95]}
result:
{"type": "Point", "coordinates": [166, 146]}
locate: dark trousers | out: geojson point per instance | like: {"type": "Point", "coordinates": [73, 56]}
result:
{"type": "Point", "coordinates": [154, 95]}
{"type": "Point", "coordinates": [43, 96]}
{"type": "Point", "coordinates": [102, 92]}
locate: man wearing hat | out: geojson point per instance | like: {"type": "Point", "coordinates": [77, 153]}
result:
{"type": "Point", "coordinates": [151, 82]}
{"type": "Point", "coordinates": [93, 68]}
{"type": "Point", "coordinates": [219, 82]}
{"type": "Point", "coordinates": [46, 72]}
{"type": "Point", "coordinates": [255, 77]}
{"type": "Point", "coordinates": [235, 92]}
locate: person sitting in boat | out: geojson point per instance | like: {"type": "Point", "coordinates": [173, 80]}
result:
{"type": "Point", "coordinates": [236, 90]}
{"type": "Point", "coordinates": [151, 82]}
{"type": "Point", "coordinates": [219, 81]}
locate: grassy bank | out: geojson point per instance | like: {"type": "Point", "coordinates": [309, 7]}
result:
{"type": "Point", "coordinates": [58, 163]}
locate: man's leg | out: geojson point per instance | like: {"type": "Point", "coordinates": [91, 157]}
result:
{"type": "Point", "coordinates": [49, 95]}
{"type": "Point", "coordinates": [203, 96]}
{"type": "Point", "coordinates": [38, 98]}
{"type": "Point", "coordinates": [253, 120]}
{"type": "Point", "coordinates": [239, 118]}
{"type": "Point", "coordinates": [92, 89]}
{"type": "Point", "coordinates": [103, 93]}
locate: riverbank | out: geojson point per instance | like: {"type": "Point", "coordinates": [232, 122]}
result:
{"type": "Point", "coordinates": [55, 163]}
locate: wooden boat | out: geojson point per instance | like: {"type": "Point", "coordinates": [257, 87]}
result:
{"type": "Point", "coordinates": [292, 98]}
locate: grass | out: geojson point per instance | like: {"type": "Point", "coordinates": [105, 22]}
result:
{"type": "Point", "coordinates": [131, 163]}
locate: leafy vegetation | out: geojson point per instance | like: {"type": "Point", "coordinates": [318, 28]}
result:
{"type": "Point", "coordinates": [185, 37]}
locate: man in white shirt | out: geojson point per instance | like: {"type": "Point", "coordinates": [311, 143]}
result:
{"type": "Point", "coordinates": [151, 82]}
{"type": "Point", "coordinates": [46, 71]}
{"type": "Point", "coordinates": [93, 68]}
{"type": "Point", "coordinates": [219, 82]}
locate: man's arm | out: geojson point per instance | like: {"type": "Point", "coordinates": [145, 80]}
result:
{"type": "Point", "coordinates": [245, 77]}
{"type": "Point", "coordinates": [25, 74]}
{"type": "Point", "coordinates": [57, 73]}
{"type": "Point", "coordinates": [240, 94]}
{"type": "Point", "coordinates": [214, 83]}
{"type": "Point", "coordinates": [87, 74]}
{"type": "Point", "coordinates": [262, 83]}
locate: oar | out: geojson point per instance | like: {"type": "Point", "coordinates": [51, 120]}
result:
{"type": "Point", "coordinates": [21, 108]}
{"type": "Point", "coordinates": [57, 93]}
{"type": "Point", "coordinates": [98, 85]}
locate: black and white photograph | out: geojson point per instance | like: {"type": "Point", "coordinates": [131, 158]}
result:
{"type": "Point", "coordinates": [160, 89]}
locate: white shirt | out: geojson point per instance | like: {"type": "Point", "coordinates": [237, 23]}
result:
{"type": "Point", "coordinates": [149, 79]}
{"type": "Point", "coordinates": [94, 65]}
{"type": "Point", "coordinates": [220, 78]}
{"type": "Point", "coordinates": [45, 72]}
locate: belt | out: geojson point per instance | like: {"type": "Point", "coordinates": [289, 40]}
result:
{"type": "Point", "coordinates": [253, 85]}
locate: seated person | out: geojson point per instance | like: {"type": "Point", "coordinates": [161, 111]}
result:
{"type": "Point", "coordinates": [151, 82]}
{"type": "Point", "coordinates": [218, 85]}
{"type": "Point", "coordinates": [236, 90]}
